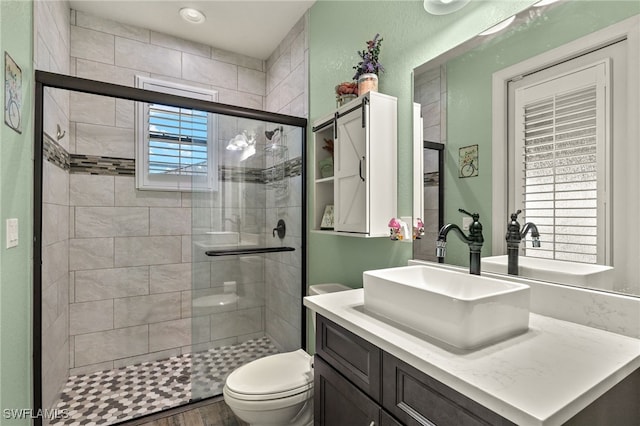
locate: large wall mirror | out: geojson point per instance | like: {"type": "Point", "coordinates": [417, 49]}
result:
{"type": "Point", "coordinates": [541, 115]}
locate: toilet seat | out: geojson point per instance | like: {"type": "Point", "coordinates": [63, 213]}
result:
{"type": "Point", "coordinates": [273, 377]}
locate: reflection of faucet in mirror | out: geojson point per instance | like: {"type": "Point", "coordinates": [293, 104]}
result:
{"type": "Point", "coordinates": [474, 240]}
{"type": "Point", "coordinates": [514, 236]}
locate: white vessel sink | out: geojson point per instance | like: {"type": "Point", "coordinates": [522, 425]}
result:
{"type": "Point", "coordinates": [557, 271]}
{"type": "Point", "coordinates": [462, 310]}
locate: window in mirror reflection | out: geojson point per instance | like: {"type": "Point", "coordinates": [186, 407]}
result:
{"type": "Point", "coordinates": [560, 124]}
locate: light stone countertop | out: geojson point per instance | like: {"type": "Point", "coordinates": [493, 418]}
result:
{"type": "Point", "coordinates": [542, 377]}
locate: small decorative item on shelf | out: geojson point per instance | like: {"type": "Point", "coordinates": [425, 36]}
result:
{"type": "Point", "coordinates": [326, 167]}
{"type": "Point", "coordinates": [346, 92]}
{"type": "Point", "coordinates": [418, 229]}
{"type": "Point", "coordinates": [395, 229]}
{"type": "Point", "coordinates": [326, 164]}
{"type": "Point", "coordinates": [367, 83]}
{"type": "Point", "coordinates": [369, 67]}
{"type": "Point", "coordinates": [327, 218]}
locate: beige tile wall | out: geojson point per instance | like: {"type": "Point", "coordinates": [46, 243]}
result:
{"type": "Point", "coordinates": [286, 88]}
{"type": "Point", "coordinates": [287, 73]}
{"type": "Point", "coordinates": [51, 53]}
{"type": "Point", "coordinates": [122, 257]}
{"type": "Point", "coordinates": [130, 250]}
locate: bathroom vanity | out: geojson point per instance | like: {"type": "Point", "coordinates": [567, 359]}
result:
{"type": "Point", "coordinates": [371, 371]}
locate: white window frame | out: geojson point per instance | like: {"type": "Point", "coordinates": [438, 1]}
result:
{"type": "Point", "coordinates": [627, 29]}
{"type": "Point", "coordinates": [172, 182]}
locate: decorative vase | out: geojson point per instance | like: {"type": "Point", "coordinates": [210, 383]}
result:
{"type": "Point", "coordinates": [326, 167]}
{"type": "Point", "coordinates": [367, 83]}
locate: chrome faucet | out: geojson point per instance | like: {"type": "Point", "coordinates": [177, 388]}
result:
{"type": "Point", "coordinates": [514, 236]}
{"type": "Point", "coordinates": [474, 240]}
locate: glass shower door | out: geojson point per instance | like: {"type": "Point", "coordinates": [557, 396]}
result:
{"type": "Point", "coordinates": [241, 307]}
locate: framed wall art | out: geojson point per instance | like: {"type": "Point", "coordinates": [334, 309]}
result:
{"type": "Point", "coordinates": [468, 161]}
{"type": "Point", "coordinates": [12, 94]}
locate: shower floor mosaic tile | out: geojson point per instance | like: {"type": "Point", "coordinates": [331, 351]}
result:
{"type": "Point", "coordinates": [112, 396]}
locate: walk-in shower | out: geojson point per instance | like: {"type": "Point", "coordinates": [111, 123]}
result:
{"type": "Point", "coordinates": [149, 290]}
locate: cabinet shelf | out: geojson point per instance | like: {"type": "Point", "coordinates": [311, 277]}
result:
{"type": "Point", "coordinates": [325, 180]}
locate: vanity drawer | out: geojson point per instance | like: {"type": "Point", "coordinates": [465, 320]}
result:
{"type": "Point", "coordinates": [417, 399]}
{"type": "Point", "coordinates": [358, 360]}
{"type": "Point", "coordinates": [337, 402]}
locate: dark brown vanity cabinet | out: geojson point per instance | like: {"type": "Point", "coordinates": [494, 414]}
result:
{"type": "Point", "coordinates": [356, 383]}
{"type": "Point", "coordinates": [417, 399]}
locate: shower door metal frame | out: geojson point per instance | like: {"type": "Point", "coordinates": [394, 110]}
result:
{"type": "Point", "coordinates": [65, 82]}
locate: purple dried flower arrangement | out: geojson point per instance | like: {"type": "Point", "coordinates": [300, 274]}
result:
{"type": "Point", "coordinates": [369, 63]}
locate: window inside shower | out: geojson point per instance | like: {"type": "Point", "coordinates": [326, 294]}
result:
{"type": "Point", "coordinates": [148, 299]}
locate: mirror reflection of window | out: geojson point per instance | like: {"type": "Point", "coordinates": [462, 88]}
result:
{"type": "Point", "coordinates": [559, 135]}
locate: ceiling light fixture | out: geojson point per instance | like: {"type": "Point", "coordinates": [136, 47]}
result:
{"type": "Point", "coordinates": [499, 27]}
{"type": "Point", "coordinates": [444, 7]}
{"type": "Point", "coordinates": [191, 15]}
{"type": "Point", "coordinates": [544, 3]}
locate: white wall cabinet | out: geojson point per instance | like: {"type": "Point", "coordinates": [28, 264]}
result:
{"type": "Point", "coordinates": [363, 187]}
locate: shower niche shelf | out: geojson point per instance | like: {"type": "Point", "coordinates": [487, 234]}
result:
{"type": "Point", "coordinates": [363, 188]}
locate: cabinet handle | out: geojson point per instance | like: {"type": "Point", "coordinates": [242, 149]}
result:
{"type": "Point", "coordinates": [360, 168]}
{"type": "Point", "coordinates": [335, 125]}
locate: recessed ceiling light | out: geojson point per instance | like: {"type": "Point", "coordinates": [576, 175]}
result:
{"type": "Point", "coordinates": [444, 7]}
{"type": "Point", "coordinates": [192, 15]}
{"type": "Point", "coordinates": [499, 27]}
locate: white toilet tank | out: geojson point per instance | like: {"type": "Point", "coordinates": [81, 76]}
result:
{"type": "Point", "coordinates": [323, 289]}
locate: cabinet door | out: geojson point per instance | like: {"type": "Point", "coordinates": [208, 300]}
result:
{"type": "Point", "coordinates": [387, 420]}
{"type": "Point", "coordinates": [339, 403]}
{"type": "Point", "coordinates": [350, 171]}
{"type": "Point", "coordinates": [418, 399]}
{"type": "Point", "coordinates": [355, 358]}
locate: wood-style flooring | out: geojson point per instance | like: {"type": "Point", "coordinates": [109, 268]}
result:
{"type": "Point", "coordinates": [211, 412]}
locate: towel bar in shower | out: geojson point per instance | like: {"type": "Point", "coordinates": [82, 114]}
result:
{"type": "Point", "coordinates": [252, 250]}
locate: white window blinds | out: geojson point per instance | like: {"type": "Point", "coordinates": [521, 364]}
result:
{"type": "Point", "coordinates": [175, 147]}
{"type": "Point", "coordinates": [177, 141]}
{"type": "Point", "coordinates": [561, 185]}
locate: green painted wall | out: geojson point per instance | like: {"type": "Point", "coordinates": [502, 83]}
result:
{"type": "Point", "coordinates": [338, 29]}
{"type": "Point", "coordinates": [16, 191]}
{"type": "Point", "coordinates": [469, 99]}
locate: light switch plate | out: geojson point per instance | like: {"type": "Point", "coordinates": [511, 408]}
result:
{"type": "Point", "coordinates": [12, 232]}
{"type": "Point", "coordinates": [466, 222]}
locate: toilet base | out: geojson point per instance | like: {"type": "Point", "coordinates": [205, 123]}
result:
{"type": "Point", "coordinates": [296, 410]}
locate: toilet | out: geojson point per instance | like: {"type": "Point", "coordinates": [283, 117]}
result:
{"type": "Point", "coordinates": [277, 389]}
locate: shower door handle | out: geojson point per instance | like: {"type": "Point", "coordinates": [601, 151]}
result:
{"type": "Point", "coordinates": [360, 168]}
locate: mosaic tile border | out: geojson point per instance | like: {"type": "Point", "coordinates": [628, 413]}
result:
{"type": "Point", "coordinates": [53, 152]}
{"type": "Point", "coordinates": [115, 166]}
{"type": "Point", "coordinates": [99, 165]}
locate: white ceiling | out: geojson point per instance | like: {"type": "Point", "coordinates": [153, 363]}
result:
{"type": "Point", "coordinates": [253, 28]}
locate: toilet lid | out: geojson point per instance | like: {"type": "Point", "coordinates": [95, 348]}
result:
{"type": "Point", "coordinates": [276, 375]}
